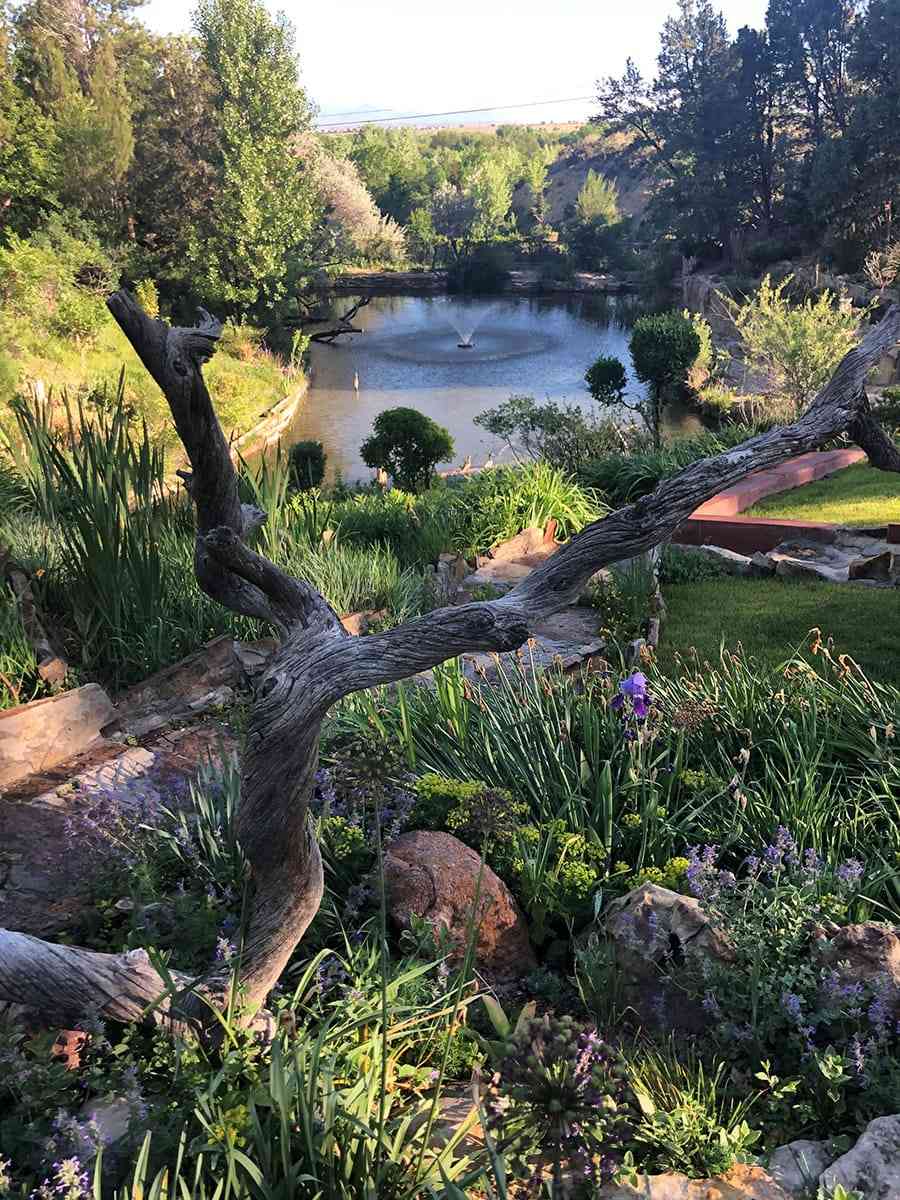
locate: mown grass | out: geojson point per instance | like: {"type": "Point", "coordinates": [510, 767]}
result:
{"type": "Point", "coordinates": [859, 495]}
{"type": "Point", "coordinates": [771, 618]}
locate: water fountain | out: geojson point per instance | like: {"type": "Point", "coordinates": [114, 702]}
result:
{"type": "Point", "coordinates": [466, 332]}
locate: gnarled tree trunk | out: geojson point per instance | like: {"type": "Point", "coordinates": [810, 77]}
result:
{"type": "Point", "coordinates": [317, 664]}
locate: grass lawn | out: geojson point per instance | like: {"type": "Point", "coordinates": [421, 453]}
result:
{"type": "Point", "coordinates": [772, 618]}
{"type": "Point", "coordinates": [858, 495]}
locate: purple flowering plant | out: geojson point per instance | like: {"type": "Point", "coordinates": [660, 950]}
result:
{"type": "Point", "coordinates": [768, 999]}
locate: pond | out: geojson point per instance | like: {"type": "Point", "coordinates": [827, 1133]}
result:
{"type": "Point", "coordinates": [409, 355]}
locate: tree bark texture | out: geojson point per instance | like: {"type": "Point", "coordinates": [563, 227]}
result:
{"type": "Point", "coordinates": [317, 663]}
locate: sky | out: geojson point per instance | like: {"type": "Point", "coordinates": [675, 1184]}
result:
{"type": "Point", "coordinates": [420, 56]}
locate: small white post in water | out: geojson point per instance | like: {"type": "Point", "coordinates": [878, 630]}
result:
{"type": "Point", "coordinates": [356, 381]}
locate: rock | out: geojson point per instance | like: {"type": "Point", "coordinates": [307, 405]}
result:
{"type": "Point", "coordinates": [449, 573]}
{"type": "Point", "coordinates": [36, 736]}
{"type": "Point", "coordinates": [434, 876]}
{"type": "Point", "coordinates": [67, 1047]}
{"type": "Point", "coordinates": [864, 953]}
{"type": "Point", "coordinates": [500, 574]}
{"type": "Point", "coordinates": [795, 568]}
{"type": "Point", "coordinates": [112, 1117]}
{"type": "Point", "coordinates": [202, 681]}
{"type": "Point", "coordinates": [884, 566]}
{"type": "Point", "coordinates": [532, 545]}
{"type": "Point", "coordinates": [653, 930]}
{"type": "Point", "coordinates": [358, 623]}
{"type": "Point", "coordinates": [872, 1167]}
{"type": "Point", "coordinates": [732, 562]}
{"type": "Point", "coordinates": [741, 1183]}
{"type": "Point", "coordinates": [761, 566]}
{"type": "Point", "coordinates": [797, 1166]}
{"type": "Point", "coordinates": [651, 925]}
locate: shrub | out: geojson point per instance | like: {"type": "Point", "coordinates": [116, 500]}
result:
{"type": "Point", "coordinates": [606, 379]}
{"type": "Point", "coordinates": [798, 345]}
{"type": "Point", "coordinates": [307, 465]}
{"type": "Point", "coordinates": [663, 349]}
{"type": "Point", "coordinates": [408, 446]}
{"type": "Point", "coordinates": [562, 435]}
{"type": "Point", "coordinates": [771, 1003]}
{"type": "Point", "coordinates": [80, 315]}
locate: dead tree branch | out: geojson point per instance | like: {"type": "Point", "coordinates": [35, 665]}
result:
{"type": "Point", "coordinates": [338, 325]}
{"type": "Point", "coordinates": [317, 664]}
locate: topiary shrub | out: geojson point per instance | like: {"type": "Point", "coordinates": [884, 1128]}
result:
{"type": "Point", "coordinates": [663, 349]}
{"type": "Point", "coordinates": [606, 379]}
{"type": "Point", "coordinates": [307, 465]}
{"type": "Point", "coordinates": [408, 446]}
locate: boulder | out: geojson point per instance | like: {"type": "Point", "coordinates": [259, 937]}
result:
{"type": "Point", "coordinates": [797, 1166]}
{"type": "Point", "coordinates": [872, 1167]}
{"type": "Point", "coordinates": [741, 1183]}
{"type": "Point", "coordinates": [729, 560]}
{"type": "Point", "coordinates": [532, 546]}
{"type": "Point", "coordinates": [864, 953]}
{"type": "Point", "coordinates": [652, 925]}
{"type": "Point", "coordinates": [112, 1118]}
{"type": "Point", "coordinates": [795, 568]}
{"type": "Point", "coordinates": [359, 623]}
{"type": "Point", "coordinates": [883, 567]}
{"type": "Point", "coordinates": [761, 566]}
{"type": "Point", "coordinates": [434, 876]}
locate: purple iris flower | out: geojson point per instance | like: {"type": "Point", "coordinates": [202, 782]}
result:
{"type": "Point", "coordinates": [634, 688]}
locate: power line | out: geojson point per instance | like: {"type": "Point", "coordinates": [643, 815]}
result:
{"type": "Point", "coordinates": [358, 112]}
{"type": "Point", "coordinates": [455, 112]}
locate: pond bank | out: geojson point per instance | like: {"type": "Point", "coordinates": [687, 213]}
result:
{"type": "Point", "coordinates": [519, 283]}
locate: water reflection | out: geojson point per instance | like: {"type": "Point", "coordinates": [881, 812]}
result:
{"type": "Point", "coordinates": [408, 355]}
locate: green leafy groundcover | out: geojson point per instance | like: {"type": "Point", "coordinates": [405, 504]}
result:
{"type": "Point", "coordinates": [770, 795]}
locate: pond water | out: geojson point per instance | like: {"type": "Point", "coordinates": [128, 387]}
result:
{"type": "Point", "coordinates": [408, 355]}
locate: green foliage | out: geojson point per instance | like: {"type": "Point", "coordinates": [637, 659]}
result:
{"type": "Point", "coordinates": [19, 681]}
{"type": "Point", "coordinates": [664, 348]}
{"type": "Point", "coordinates": [28, 150]}
{"type": "Point", "coordinates": [147, 295]}
{"type": "Point", "coordinates": [598, 200]}
{"type": "Point", "coordinates": [262, 209]}
{"type": "Point", "coordinates": [561, 435]}
{"type": "Point", "coordinates": [623, 478]}
{"type": "Point", "coordinates": [797, 345]}
{"type": "Point", "coordinates": [606, 379]}
{"type": "Point", "coordinates": [307, 461]}
{"type": "Point", "coordinates": [408, 446]}
{"type": "Point", "coordinates": [495, 505]}
{"type": "Point", "coordinates": [689, 1122]}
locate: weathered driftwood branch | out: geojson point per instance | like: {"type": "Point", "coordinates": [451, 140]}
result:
{"type": "Point", "coordinates": [317, 664]}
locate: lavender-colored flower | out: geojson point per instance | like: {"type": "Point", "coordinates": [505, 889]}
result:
{"type": "Point", "coordinates": [792, 1005]}
{"type": "Point", "coordinates": [813, 865]}
{"type": "Point", "coordinates": [68, 1181]}
{"type": "Point", "coordinates": [781, 854]}
{"type": "Point", "coordinates": [849, 873]}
